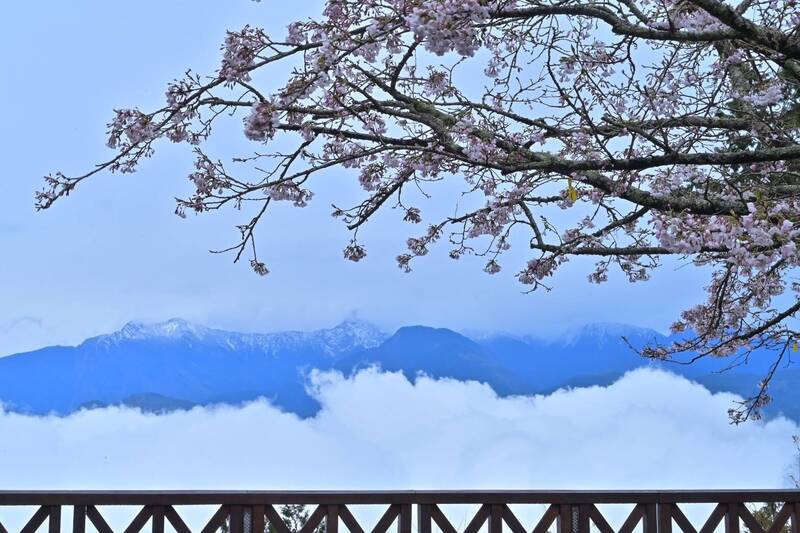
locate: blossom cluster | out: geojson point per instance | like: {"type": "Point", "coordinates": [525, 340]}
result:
{"type": "Point", "coordinates": [261, 123]}
{"type": "Point", "coordinates": [449, 25]}
{"type": "Point", "coordinates": [240, 51]}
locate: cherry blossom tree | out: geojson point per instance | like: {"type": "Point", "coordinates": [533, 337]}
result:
{"type": "Point", "coordinates": [622, 130]}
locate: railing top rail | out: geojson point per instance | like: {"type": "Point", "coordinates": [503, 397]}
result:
{"type": "Point", "coordinates": [207, 497]}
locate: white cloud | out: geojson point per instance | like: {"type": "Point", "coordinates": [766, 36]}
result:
{"type": "Point", "coordinates": [379, 431]}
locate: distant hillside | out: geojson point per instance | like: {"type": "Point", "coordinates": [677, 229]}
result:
{"type": "Point", "coordinates": [438, 353]}
{"type": "Point", "coordinates": [177, 365]}
{"type": "Point", "coordinates": [147, 403]}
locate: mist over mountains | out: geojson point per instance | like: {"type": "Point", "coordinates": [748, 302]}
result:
{"type": "Point", "coordinates": [175, 365]}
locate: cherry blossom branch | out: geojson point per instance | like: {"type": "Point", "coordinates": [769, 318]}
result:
{"type": "Point", "coordinates": [624, 131]}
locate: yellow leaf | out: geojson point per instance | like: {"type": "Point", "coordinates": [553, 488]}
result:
{"type": "Point", "coordinates": [794, 347]}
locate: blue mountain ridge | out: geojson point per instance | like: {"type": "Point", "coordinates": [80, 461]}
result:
{"type": "Point", "coordinates": [176, 365]}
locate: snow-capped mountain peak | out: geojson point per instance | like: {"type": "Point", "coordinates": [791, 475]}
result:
{"type": "Point", "coordinates": [352, 332]}
{"type": "Point", "coordinates": [347, 336]}
{"type": "Point", "coordinates": [172, 328]}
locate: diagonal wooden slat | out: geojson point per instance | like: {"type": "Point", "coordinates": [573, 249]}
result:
{"type": "Point", "coordinates": [217, 520]}
{"type": "Point", "coordinates": [750, 520]}
{"type": "Point", "coordinates": [714, 519]}
{"type": "Point", "coordinates": [3, 529]}
{"type": "Point", "coordinates": [139, 520]}
{"type": "Point", "coordinates": [599, 520]}
{"type": "Point", "coordinates": [36, 520]}
{"type": "Point", "coordinates": [781, 518]}
{"type": "Point", "coordinates": [637, 513]}
{"type": "Point", "coordinates": [441, 520]}
{"type": "Point", "coordinates": [177, 522]}
{"type": "Point", "coordinates": [349, 520]}
{"type": "Point", "coordinates": [512, 521]}
{"type": "Point", "coordinates": [547, 520]}
{"type": "Point", "coordinates": [97, 520]}
{"type": "Point", "coordinates": [478, 520]}
{"type": "Point", "coordinates": [386, 520]}
{"type": "Point", "coordinates": [314, 520]}
{"type": "Point", "coordinates": [275, 520]}
{"type": "Point", "coordinates": [682, 521]}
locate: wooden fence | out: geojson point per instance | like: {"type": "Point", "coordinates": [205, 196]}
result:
{"type": "Point", "coordinates": [565, 511]}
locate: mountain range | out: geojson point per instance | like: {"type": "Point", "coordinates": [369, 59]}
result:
{"type": "Point", "coordinates": [176, 365]}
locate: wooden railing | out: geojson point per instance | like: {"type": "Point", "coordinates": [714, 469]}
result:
{"type": "Point", "coordinates": [564, 511]}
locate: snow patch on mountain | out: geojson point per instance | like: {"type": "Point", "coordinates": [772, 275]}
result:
{"type": "Point", "coordinates": [345, 337]}
{"type": "Point", "coordinates": [172, 328]}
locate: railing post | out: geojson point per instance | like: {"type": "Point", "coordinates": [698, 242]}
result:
{"type": "Point", "coordinates": [404, 519]}
{"type": "Point", "coordinates": [564, 520]}
{"type": "Point", "coordinates": [54, 519]}
{"type": "Point", "coordinates": [650, 519]}
{"type": "Point", "coordinates": [237, 519]}
{"type": "Point", "coordinates": [583, 519]}
{"type": "Point", "coordinates": [664, 511]}
{"type": "Point", "coordinates": [158, 519]}
{"type": "Point", "coordinates": [424, 516]}
{"type": "Point", "coordinates": [732, 518]}
{"type": "Point", "coordinates": [257, 520]}
{"type": "Point", "coordinates": [332, 519]}
{"type": "Point", "coordinates": [79, 519]}
{"type": "Point", "coordinates": [795, 519]}
{"type": "Point", "coordinates": [496, 518]}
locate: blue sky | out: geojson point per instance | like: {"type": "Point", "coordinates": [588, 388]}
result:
{"type": "Point", "coordinates": [116, 252]}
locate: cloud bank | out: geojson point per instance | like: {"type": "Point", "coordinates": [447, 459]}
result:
{"type": "Point", "coordinates": [378, 430]}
